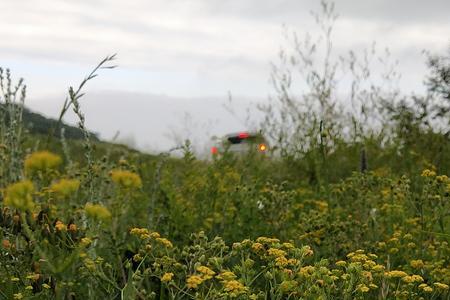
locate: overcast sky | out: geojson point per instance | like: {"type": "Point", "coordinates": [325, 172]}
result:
{"type": "Point", "coordinates": [177, 56]}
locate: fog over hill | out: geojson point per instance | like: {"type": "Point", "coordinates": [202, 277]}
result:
{"type": "Point", "coordinates": [154, 122]}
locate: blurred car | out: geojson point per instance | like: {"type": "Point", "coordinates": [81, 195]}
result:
{"type": "Point", "coordinates": [241, 143]}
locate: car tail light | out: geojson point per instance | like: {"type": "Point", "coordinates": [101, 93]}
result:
{"type": "Point", "coordinates": [262, 147]}
{"type": "Point", "coordinates": [214, 150]}
{"type": "Point", "coordinates": [243, 135]}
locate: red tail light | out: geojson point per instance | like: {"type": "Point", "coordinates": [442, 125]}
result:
{"type": "Point", "coordinates": [243, 135]}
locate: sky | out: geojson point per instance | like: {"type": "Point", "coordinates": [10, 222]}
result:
{"type": "Point", "coordinates": [178, 60]}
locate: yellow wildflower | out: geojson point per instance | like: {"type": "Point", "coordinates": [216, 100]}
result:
{"type": "Point", "coordinates": [193, 281]}
{"type": "Point", "coordinates": [395, 274]}
{"type": "Point", "coordinates": [306, 270]}
{"type": "Point", "coordinates": [18, 296]}
{"type": "Point", "coordinates": [85, 241]}
{"type": "Point", "coordinates": [167, 277]}
{"type": "Point", "coordinates": [341, 263]}
{"type": "Point", "coordinates": [73, 227]}
{"type": "Point", "coordinates": [441, 286]}
{"type": "Point", "coordinates": [46, 286]}
{"type": "Point", "coordinates": [424, 287]}
{"type": "Point", "coordinates": [234, 288]}
{"type": "Point", "coordinates": [60, 226]}
{"type": "Point", "coordinates": [428, 173]}
{"type": "Point", "coordinates": [281, 261]}
{"type": "Point", "coordinates": [417, 264]}
{"type": "Point", "coordinates": [276, 252]}
{"type": "Point", "coordinates": [41, 161]}
{"type": "Point", "coordinates": [257, 247]}
{"type": "Point", "coordinates": [226, 275]}
{"type": "Point", "coordinates": [363, 288]}
{"type": "Point", "coordinates": [165, 242]}
{"type": "Point", "coordinates": [97, 211]}
{"type": "Point", "coordinates": [266, 240]}
{"type": "Point", "coordinates": [65, 187]}
{"type": "Point", "coordinates": [206, 272]}
{"type": "Point", "coordinates": [126, 179]}
{"type": "Point", "coordinates": [19, 195]}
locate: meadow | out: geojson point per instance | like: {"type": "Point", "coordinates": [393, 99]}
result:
{"type": "Point", "coordinates": [348, 204]}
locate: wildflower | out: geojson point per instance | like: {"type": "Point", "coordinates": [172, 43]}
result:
{"type": "Point", "coordinates": [226, 275]}
{"type": "Point", "coordinates": [137, 257]}
{"type": "Point", "coordinates": [18, 296]}
{"type": "Point", "coordinates": [288, 246]}
{"type": "Point", "coordinates": [395, 274]}
{"type": "Point", "coordinates": [441, 286]}
{"type": "Point", "coordinates": [85, 242]}
{"type": "Point", "coordinates": [97, 211]}
{"type": "Point", "coordinates": [307, 251]}
{"type": "Point", "coordinates": [73, 227]}
{"type": "Point", "coordinates": [424, 287]}
{"type": "Point", "coordinates": [193, 281]}
{"type": "Point", "coordinates": [46, 286]}
{"type": "Point", "coordinates": [442, 178]}
{"type": "Point", "coordinates": [276, 252]}
{"type": "Point", "coordinates": [29, 287]}
{"type": "Point", "coordinates": [33, 277]}
{"type": "Point", "coordinates": [234, 288]}
{"type": "Point", "coordinates": [60, 226]}
{"type": "Point", "coordinates": [363, 288]}
{"type": "Point", "coordinates": [19, 195]}
{"type": "Point", "coordinates": [65, 187]}
{"type": "Point", "coordinates": [15, 279]}
{"type": "Point", "coordinates": [428, 173]}
{"type": "Point", "coordinates": [207, 272]}
{"type": "Point", "coordinates": [256, 247]}
{"type": "Point", "coordinates": [126, 179]}
{"type": "Point", "coordinates": [167, 277]}
{"type": "Point", "coordinates": [41, 161]}
{"type": "Point", "coordinates": [165, 242]}
{"type": "Point", "coordinates": [266, 240]}
{"type": "Point", "coordinates": [416, 264]}
{"type": "Point", "coordinates": [341, 263]}
{"type": "Point", "coordinates": [281, 261]}
{"type": "Point", "coordinates": [306, 271]}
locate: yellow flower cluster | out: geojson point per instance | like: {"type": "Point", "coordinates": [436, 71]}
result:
{"type": "Point", "coordinates": [20, 195]}
{"type": "Point", "coordinates": [97, 211]}
{"type": "Point", "coordinates": [60, 226]}
{"type": "Point", "coordinates": [65, 187]}
{"type": "Point", "coordinates": [194, 281]}
{"type": "Point", "coordinates": [428, 173]}
{"type": "Point", "coordinates": [167, 277]}
{"type": "Point", "coordinates": [234, 288]}
{"type": "Point", "coordinates": [395, 274]}
{"type": "Point", "coordinates": [226, 275]}
{"type": "Point", "coordinates": [426, 288]}
{"type": "Point", "coordinates": [126, 179]}
{"type": "Point", "coordinates": [416, 264]}
{"type": "Point", "coordinates": [266, 240]}
{"type": "Point", "coordinates": [165, 242]}
{"type": "Point", "coordinates": [412, 279]}
{"type": "Point", "coordinates": [41, 161]}
{"type": "Point", "coordinates": [143, 233]}
{"type": "Point", "coordinates": [206, 272]}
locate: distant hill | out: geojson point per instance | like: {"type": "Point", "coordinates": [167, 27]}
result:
{"type": "Point", "coordinates": [38, 124]}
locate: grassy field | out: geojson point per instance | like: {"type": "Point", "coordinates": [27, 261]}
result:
{"type": "Point", "coordinates": [335, 212]}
